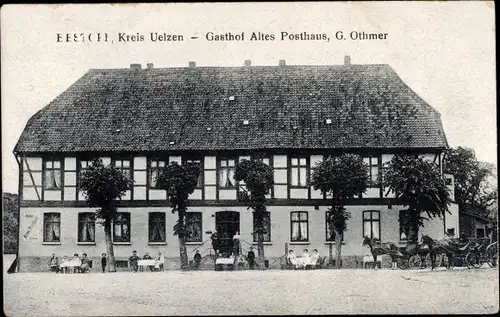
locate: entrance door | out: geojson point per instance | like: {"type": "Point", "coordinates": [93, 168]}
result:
{"type": "Point", "coordinates": [227, 224]}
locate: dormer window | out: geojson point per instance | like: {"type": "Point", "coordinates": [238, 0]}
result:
{"type": "Point", "coordinates": [245, 122]}
{"type": "Point", "coordinates": [231, 98]}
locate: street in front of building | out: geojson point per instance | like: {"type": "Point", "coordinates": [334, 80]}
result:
{"type": "Point", "coordinates": [253, 292]}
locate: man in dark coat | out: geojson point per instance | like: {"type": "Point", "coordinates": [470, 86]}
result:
{"type": "Point", "coordinates": [215, 242]}
{"type": "Point", "coordinates": [251, 258]}
{"type": "Point", "coordinates": [103, 262]}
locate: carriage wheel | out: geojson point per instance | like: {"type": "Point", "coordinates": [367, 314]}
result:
{"type": "Point", "coordinates": [439, 260]}
{"type": "Point", "coordinates": [427, 260]}
{"type": "Point", "coordinates": [415, 261]}
{"type": "Point", "coordinates": [402, 263]}
{"type": "Point", "coordinates": [473, 260]}
{"type": "Point", "coordinates": [491, 254]}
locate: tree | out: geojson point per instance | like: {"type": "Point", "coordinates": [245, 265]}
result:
{"type": "Point", "coordinates": [179, 181]}
{"type": "Point", "coordinates": [473, 179]}
{"type": "Point", "coordinates": [340, 178]}
{"type": "Point", "coordinates": [102, 186]}
{"type": "Point", "coordinates": [419, 185]}
{"type": "Point", "coordinates": [10, 223]}
{"type": "Point", "coordinates": [259, 179]}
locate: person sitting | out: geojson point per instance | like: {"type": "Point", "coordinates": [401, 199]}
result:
{"type": "Point", "coordinates": [305, 259]}
{"type": "Point", "coordinates": [76, 262]}
{"type": "Point", "coordinates": [159, 261]}
{"type": "Point", "coordinates": [54, 263]}
{"type": "Point", "coordinates": [292, 259]}
{"type": "Point", "coordinates": [313, 261]}
{"type": "Point", "coordinates": [64, 262]}
{"type": "Point", "coordinates": [251, 258]}
{"type": "Point", "coordinates": [134, 259]}
{"type": "Point", "coordinates": [148, 257]}
{"type": "Point", "coordinates": [241, 262]}
{"type": "Point", "coordinates": [197, 260]}
{"type": "Point", "coordinates": [85, 267]}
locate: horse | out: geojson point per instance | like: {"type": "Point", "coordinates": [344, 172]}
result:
{"type": "Point", "coordinates": [447, 247]}
{"type": "Point", "coordinates": [378, 248]}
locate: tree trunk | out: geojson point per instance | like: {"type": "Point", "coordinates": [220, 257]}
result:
{"type": "Point", "coordinates": [413, 227]}
{"type": "Point", "coordinates": [109, 246]}
{"type": "Point", "coordinates": [338, 243]}
{"type": "Point", "coordinates": [260, 246]}
{"type": "Point", "coordinates": [183, 252]}
{"type": "Point", "coordinates": [330, 252]}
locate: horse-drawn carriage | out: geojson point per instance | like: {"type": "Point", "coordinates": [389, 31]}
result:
{"type": "Point", "coordinates": [453, 252]}
{"type": "Point", "coordinates": [411, 256]}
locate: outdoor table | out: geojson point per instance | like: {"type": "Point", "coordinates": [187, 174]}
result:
{"type": "Point", "coordinates": [71, 264]}
{"type": "Point", "coordinates": [145, 263]}
{"type": "Point", "coordinates": [220, 262]}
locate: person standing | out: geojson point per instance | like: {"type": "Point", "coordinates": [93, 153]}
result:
{"type": "Point", "coordinates": [53, 263]}
{"type": "Point", "coordinates": [197, 260]}
{"type": "Point", "coordinates": [104, 261]}
{"type": "Point", "coordinates": [85, 264]}
{"type": "Point", "coordinates": [134, 260]}
{"type": "Point", "coordinates": [251, 258]}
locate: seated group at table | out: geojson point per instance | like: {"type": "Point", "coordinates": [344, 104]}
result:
{"type": "Point", "coordinates": [305, 260]}
{"type": "Point", "coordinates": [75, 264]}
{"type": "Point", "coordinates": [147, 261]}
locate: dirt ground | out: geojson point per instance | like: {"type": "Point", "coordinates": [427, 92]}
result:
{"type": "Point", "coordinates": [253, 292]}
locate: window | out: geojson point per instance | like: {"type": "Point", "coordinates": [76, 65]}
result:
{"type": "Point", "coordinates": [299, 226]}
{"type": "Point", "coordinates": [121, 227]}
{"type": "Point", "coordinates": [371, 224]}
{"type": "Point", "coordinates": [124, 166]}
{"type": "Point", "coordinates": [52, 227]}
{"type": "Point", "coordinates": [86, 227]}
{"type": "Point", "coordinates": [193, 226]}
{"type": "Point", "coordinates": [450, 232]}
{"type": "Point", "coordinates": [266, 223]}
{"type": "Point", "coordinates": [403, 225]}
{"type": "Point", "coordinates": [480, 233]}
{"type": "Point", "coordinates": [298, 171]}
{"type": "Point", "coordinates": [157, 227]}
{"type": "Point", "coordinates": [330, 232]}
{"type": "Point", "coordinates": [226, 173]}
{"type": "Point", "coordinates": [196, 162]}
{"type": "Point", "coordinates": [155, 167]}
{"type": "Point", "coordinates": [84, 165]}
{"type": "Point", "coordinates": [52, 174]}
{"type": "Point", "coordinates": [373, 171]}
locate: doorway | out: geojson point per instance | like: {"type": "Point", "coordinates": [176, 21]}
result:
{"type": "Point", "coordinates": [227, 224]}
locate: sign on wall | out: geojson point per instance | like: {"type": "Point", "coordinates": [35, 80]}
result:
{"type": "Point", "coordinates": [30, 227]}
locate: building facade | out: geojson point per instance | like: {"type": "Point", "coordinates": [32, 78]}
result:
{"type": "Point", "coordinates": [143, 119]}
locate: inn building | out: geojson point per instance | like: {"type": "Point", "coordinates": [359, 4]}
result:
{"type": "Point", "coordinates": [141, 119]}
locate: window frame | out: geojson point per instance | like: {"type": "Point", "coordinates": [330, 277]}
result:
{"type": "Point", "coordinates": [292, 240]}
{"type": "Point", "coordinates": [190, 160]}
{"type": "Point", "coordinates": [371, 220]}
{"type": "Point", "coordinates": [113, 235]}
{"type": "Point", "coordinates": [401, 226]}
{"type": "Point", "coordinates": [378, 165]}
{"type": "Point", "coordinates": [46, 169]}
{"type": "Point", "coordinates": [150, 169]}
{"type": "Point", "coordinates": [254, 235]}
{"type": "Point", "coordinates": [200, 221]}
{"type": "Point", "coordinates": [163, 222]}
{"type": "Point", "coordinates": [299, 166]}
{"type": "Point", "coordinates": [80, 222]}
{"type": "Point", "coordinates": [220, 168]}
{"type": "Point", "coordinates": [45, 222]}
{"type": "Point", "coordinates": [327, 238]}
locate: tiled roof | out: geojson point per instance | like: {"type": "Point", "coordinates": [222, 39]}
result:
{"type": "Point", "coordinates": [203, 108]}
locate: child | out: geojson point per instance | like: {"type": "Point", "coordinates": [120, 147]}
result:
{"type": "Point", "coordinates": [148, 257]}
{"type": "Point", "coordinates": [134, 259]}
{"type": "Point", "coordinates": [53, 263]}
{"type": "Point", "coordinates": [85, 264]}
{"type": "Point", "coordinates": [197, 259]}
{"type": "Point", "coordinates": [292, 259]}
{"type": "Point", "coordinates": [64, 267]}
{"type": "Point", "coordinates": [103, 262]}
{"type": "Point", "coordinates": [159, 260]}
{"type": "Point", "coordinates": [76, 263]}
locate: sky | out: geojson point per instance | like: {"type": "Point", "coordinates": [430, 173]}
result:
{"type": "Point", "coordinates": [444, 51]}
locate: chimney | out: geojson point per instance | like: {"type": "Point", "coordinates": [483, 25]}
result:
{"type": "Point", "coordinates": [150, 65]}
{"type": "Point", "coordinates": [347, 60]}
{"type": "Point", "coordinates": [282, 62]}
{"type": "Point", "coordinates": [248, 62]}
{"type": "Point", "coordinates": [192, 64]}
{"type": "Point", "coordinates": [135, 66]}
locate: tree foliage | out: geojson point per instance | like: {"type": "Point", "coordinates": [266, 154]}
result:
{"type": "Point", "coordinates": [102, 186]}
{"type": "Point", "coordinates": [473, 179]}
{"type": "Point", "coordinates": [179, 181]}
{"type": "Point", "coordinates": [10, 220]}
{"type": "Point", "coordinates": [340, 178]}
{"type": "Point", "coordinates": [259, 179]}
{"type": "Point", "coordinates": [419, 185]}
